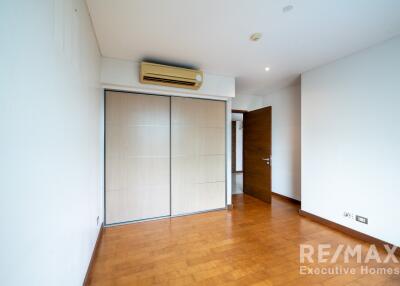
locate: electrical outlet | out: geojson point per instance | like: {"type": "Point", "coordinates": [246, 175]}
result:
{"type": "Point", "coordinates": [361, 219]}
{"type": "Point", "coordinates": [98, 218]}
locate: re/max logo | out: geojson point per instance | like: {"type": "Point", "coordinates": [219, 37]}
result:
{"type": "Point", "coordinates": [326, 253]}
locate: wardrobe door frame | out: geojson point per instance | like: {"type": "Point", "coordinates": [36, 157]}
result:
{"type": "Point", "coordinates": [170, 148]}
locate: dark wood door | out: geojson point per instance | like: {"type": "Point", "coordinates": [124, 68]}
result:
{"type": "Point", "coordinates": [233, 146]}
{"type": "Point", "coordinates": [257, 153]}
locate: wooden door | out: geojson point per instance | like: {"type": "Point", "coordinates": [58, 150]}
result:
{"type": "Point", "coordinates": [257, 153]}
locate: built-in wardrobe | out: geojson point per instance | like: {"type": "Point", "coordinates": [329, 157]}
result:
{"type": "Point", "coordinates": [164, 156]}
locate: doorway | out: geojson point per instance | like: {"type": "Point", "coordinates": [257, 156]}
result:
{"type": "Point", "coordinates": [237, 151]}
{"type": "Point", "coordinates": [256, 149]}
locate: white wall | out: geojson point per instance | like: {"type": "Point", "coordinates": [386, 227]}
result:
{"type": "Point", "coordinates": [49, 147]}
{"type": "Point", "coordinates": [285, 140]}
{"type": "Point", "coordinates": [247, 102]}
{"type": "Point", "coordinates": [351, 139]}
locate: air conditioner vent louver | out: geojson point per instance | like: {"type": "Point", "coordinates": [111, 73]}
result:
{"type": "Point", "coordinates": [170, 76]}
{"type": "Point", "coordinates": [173, 81]}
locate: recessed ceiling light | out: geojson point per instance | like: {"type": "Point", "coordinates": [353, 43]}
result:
{"type": "Point", "coordinates": [287, 8]}
{"type": "Point", "coordinates": [267, 68]}
{"type": "Point", "coordinates": [255, 37]}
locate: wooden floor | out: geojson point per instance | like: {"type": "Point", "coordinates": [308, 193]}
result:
{"type": "Point", "coordinates": [253, 244]}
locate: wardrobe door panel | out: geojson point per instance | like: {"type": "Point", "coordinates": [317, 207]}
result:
{"type": "Point", "coordinates": [197, 155]}
{"type": "Point", "coordinates": [137, 157]}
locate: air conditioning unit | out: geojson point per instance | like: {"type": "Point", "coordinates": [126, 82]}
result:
{"type": "Point", "coordinates": [170, 76]}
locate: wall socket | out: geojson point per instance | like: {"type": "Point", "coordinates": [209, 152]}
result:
{"type": "Point", "coordinates": [361, 219]}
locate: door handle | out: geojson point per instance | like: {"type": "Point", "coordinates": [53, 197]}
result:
{"type": "Point", "coordinates": [267, 160]}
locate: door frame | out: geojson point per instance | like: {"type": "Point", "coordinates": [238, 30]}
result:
{"type": "Point", "coordinates": [105, 90]}
{"type": "Point", "coordinates": [234, 146]}
{"type": "Point", "coordinates": [239, 111]}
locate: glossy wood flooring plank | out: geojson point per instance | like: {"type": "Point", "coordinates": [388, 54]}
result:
{"type": "Point", "coordinates": [253, 244]}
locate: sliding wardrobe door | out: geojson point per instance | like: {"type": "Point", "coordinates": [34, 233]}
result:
{"type": "Point", "coordinates": [137, 157]}
{"type": "Point", "coordinates": [197, 155]}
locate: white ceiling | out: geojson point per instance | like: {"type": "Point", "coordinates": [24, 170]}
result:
{"type": "Point", "coordinates": [213, 35]}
